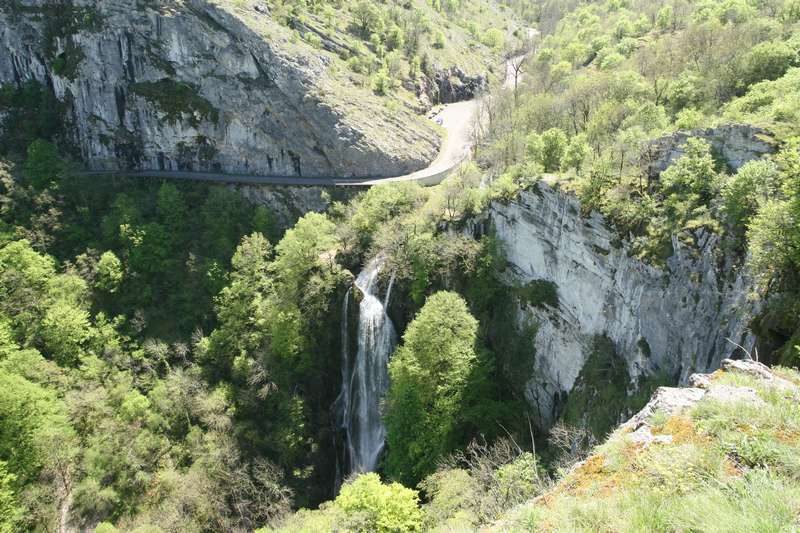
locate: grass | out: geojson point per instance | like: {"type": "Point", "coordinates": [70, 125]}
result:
{"type": "Point", "coordinates": [730, 466]}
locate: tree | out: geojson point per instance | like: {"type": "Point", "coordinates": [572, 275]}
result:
{"type": "Point", "coordinates": [766, 61]}
{"type": "Point", "coordinates": [381, 82]}
{"type": "Point", "coordinates": [752, 185]}
{"type": "Point", "coordinates": [575, 153]}
{"type": "Point", "coordinates": [30, 414]}
{"type": "Point", "coordinates": [367, 17]}
{"type": "Point", "coordinates": [772, 241]}
{"type": "Point", "coordinates": [10, 512]}
{"type": "Point", "coordinates": [43, 165]}
{"type": "Point", "coordinates": [548, 149]}
{"type": "Point", "coordinates": [303, 250]}
{"type": "Point", "coordinates": [110, 272]}
{"type": "Point", "coordinates": [171, 208]}
{"type": "Point", "coordinates": [693, 174]}
{"type": "Point", "coordinates": [439, 39]}
{"type": "Point", "coordinates": [371, 506]}
{"type": "Point", "coordinates": [241, 305]}
{"type": "Point", "coordinates": [773, 234]}
{"type": "Point", "coordinates": [516, 64]}
{"type": "Point", "coordinates": [494, 38]}
{"type": "Point", "coordinates": [65, 332]}
{"type": "Point", "coordinates": [428, 376]}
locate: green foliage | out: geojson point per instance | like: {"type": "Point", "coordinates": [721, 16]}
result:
{"type": "Point", "coordinates": [539, 293]}
{"type": "Point", "coordinates": [772, 234]}
{"type": "Point", "coordinates": [767, 61]}
{"type": "Point", "coordinates": [771, 237]}
{"type": "Point", "coordinates": [364, 505]}
{"type": "Point", "coordinates": [65, 332]}
{"type": "Point", "coordinates": [753, 184]}
{"type": "Point", "coordinates": [693, 177]}
{"type": "Point", "coordinates": [493, 38]}
{"type": "Point", "coordinates": [477, 486]}
{"type": "Point", "coordinates": [599, 394]}
{"type": "Point", "coordinates": [10, 512]}
{"type": "Point", "coordinates": [548, 149]}
{"type": "Point", "coordinates": [771, 103]}
{"type": "Point", "coordinates": [43, 164]}
{"type": "Point", "coordinates": [428, 376]}
{"type": "Point", "coordinates": [370, 505]}
{"type": "Point", "coordinates": [177, 100]}
{"type": "Point", "coordinates": [34, 112]}
{"type": "Point", "coordinates": [33, 428]}
{"type": "Point", "coordinates": [110, 272]}
{"type": "Point", "coordinates": [381, 82]}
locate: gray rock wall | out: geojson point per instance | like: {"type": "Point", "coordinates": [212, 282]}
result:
{"type": "Point", "coordinates": [238, 93]}
{"type": "Point", "coordinates": [673, 321]}
{"type": "Point", "coordinates": [735, 143]}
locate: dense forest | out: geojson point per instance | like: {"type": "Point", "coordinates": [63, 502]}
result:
{"type": "Point", "coordinates": [170, 351]}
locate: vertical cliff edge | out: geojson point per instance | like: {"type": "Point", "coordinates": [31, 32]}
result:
{"type": "Point", "coordinates": [604, 319]}
{"type": "Point", "coordinates": [205, 85]}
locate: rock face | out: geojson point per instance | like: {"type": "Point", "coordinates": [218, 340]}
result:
{"type": "Point", "coordinates": [204, 85]}
{"type": "Point", "coordinates": [671, 401]}
{"type": "Point", "coordinates": [735, 143]}
{"type": "Point", "coordinates": [287, 204]}
{"type": "Point", "coordinates": [672, 321]}
{"type": "Point", "coordinates": [454, 85]}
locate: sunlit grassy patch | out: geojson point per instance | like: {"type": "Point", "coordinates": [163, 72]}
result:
{"type": "Point", "coordinates": [730, 466]}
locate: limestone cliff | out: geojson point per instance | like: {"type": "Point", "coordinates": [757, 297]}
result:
{"type": "Point", "coordinates": [670, 321]}
{"type": "Point", "coordinates": [204, 85]}
{"type": "Point", "coordinates": [736, 144]}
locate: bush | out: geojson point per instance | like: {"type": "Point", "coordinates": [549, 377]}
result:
{"type": "Point", "coordinates": [381, 82]}
{"type": "Point", "coordinates": [766, 61]}
{"type": "Point", "coordinates": [371, 506]}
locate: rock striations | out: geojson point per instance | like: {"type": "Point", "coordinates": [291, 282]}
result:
{"type": "Point", "coordinates": [670, 321]}
{"type": "Point", "coordinates": [204, 85]}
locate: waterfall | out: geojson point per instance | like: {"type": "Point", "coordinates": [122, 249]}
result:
{"type": "Point", "coordinates": [365, 377]}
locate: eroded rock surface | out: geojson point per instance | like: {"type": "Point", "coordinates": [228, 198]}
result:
{"type": "Point", "coordinates": [204, 85]}
{"type": "Point", "coordinates": [673, 321]}
{"type": "Point", "coordinates": [735, 143]}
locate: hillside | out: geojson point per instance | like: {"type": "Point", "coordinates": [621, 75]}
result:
{"type": "Point", "coordinates": [720, 455]}
{"type": "Point", "coordinates": [252, 87]}
{"type": "Point", "coordinates": [561, 335]}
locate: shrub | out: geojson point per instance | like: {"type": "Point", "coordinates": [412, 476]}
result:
{"type": "Point", "coordinates": [371, 506]}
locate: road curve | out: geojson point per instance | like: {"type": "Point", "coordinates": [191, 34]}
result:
{"type": "Point", "coordinates": [457, 120]}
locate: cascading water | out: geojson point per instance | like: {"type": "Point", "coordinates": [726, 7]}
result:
{"type": "Point", "coordinates": [365, 377]}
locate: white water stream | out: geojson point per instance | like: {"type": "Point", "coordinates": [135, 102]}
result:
{"type": "Point", "coordinates": [365, 377]}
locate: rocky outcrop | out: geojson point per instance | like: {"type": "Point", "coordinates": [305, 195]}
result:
{"type": "Point", "coordinates": [449, 85]}
{"type": "Point", "coordinates": [454, 85]}
{"type": "Point", "coordinates": [204, 85]}
{"type": "Point", "coordinates": [735, 143]}
{"type": "Point", "coordinates": [672, 401]}
{"type": "Point", "coordinates": [670, 321]}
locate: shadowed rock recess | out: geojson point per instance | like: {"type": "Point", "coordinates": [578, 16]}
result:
{"type": "Point", "coordinates": [204, 85]}
{"type": "Point", "coordinates": [612, 310]}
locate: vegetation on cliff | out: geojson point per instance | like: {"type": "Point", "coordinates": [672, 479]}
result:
{"type": "Point", "coordinates": [169, 353]}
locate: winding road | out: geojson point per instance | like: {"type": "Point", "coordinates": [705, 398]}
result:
{"type": "Point", "coordinates": [457, 120]}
